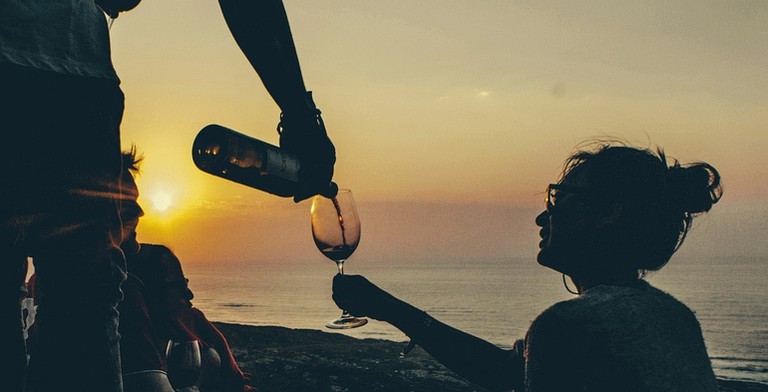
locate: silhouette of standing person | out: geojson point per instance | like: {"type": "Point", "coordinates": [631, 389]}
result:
{"type": "Point", "coordinates": [62, 102]}
{"type": "Point", "coordinates": [616, 213]}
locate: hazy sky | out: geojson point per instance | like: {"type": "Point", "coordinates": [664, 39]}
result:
{"type": "Point", "coordinates": [449, 117]}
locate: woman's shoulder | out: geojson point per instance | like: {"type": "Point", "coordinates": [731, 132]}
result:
{"type": "Point", "coordinates": [608, 301]}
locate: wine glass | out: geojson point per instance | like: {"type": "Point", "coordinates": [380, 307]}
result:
{"type": "Point", "coordinates": [184, 363]}
{"type": "Point", "coordinates": [336, 231]}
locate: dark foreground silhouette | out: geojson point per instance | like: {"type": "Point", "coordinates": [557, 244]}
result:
{"type": "Point", "coordinates": [284, 359]}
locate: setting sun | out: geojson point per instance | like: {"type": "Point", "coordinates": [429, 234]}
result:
{"type": "Point", "coordinates": [161, 200]}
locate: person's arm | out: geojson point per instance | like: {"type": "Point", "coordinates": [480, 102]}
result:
{"type": "Point", "coordinates": [471, 357]}
{"type": "Point", "coordinates": [262, 32]}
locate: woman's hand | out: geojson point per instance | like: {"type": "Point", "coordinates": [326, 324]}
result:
{"type": "Point", "coordinates": [360, 297]}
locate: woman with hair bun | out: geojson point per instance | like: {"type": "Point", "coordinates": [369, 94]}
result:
{"type": "Point", "coordinates": [616, 213]}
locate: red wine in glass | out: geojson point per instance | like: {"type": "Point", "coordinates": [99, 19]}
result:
{"type": "Point", "coordinates": [336, 231]}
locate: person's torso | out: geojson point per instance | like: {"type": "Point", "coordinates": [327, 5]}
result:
{"type": "Point", "coordinates": [636, 339]}
{"type": "Point", "coordinates": [64, 36]}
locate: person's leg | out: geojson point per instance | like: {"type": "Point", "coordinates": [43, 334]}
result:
{"type": "Point", "coordinates": [13, 225]}
{"type": "Point", "coordinates": [77, 346]}
{"type": "Point", "coordinates": [13, 270]}
{"type": "Point", "coordinates": [72, 149]}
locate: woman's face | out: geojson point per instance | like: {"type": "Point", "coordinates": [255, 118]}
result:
{"type": "Point", "coordinates": [176, 293]}
{"type": "Point", "coordinates": [130, 212]}
{"type": "Point", "coordinates": [568, 225]}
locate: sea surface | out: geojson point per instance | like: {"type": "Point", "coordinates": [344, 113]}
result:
{"type": "Point", "coordinates": [493, 299]}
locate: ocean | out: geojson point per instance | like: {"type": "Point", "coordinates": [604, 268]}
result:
{"type": "Point", "coordinates": [494, 299]}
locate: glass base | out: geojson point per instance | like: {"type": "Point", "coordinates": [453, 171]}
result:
{"type": "Point", "coordinates": [346, 322]}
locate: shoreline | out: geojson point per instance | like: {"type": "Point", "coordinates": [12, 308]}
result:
{"type": "Point", "coordinates": [286, 359]}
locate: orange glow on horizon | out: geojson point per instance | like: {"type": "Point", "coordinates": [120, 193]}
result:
{"type": "Point", "coordinates": [474, 106]}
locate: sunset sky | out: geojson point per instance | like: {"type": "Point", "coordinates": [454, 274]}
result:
{"type": "Point", "coordinates": [449, 117]}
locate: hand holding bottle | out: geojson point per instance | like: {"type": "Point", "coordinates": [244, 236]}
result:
{"type": "Point", "coordinates": [262, 32]}
{"type": "Point", "coordinates": [240, 158]}
{"type": "Point", "coordinates": [304, 135]}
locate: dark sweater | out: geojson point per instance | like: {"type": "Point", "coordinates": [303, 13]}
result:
{"type": "Point", "coordinates": [616, 338]}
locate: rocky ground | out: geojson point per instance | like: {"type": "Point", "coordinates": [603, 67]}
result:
{"type": "Point", "coordinates": [284, 359]}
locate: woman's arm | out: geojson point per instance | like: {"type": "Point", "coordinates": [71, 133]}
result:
{"type": "Point", "coordinates": [471, 357]}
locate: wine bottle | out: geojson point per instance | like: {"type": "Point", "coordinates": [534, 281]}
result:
{"type": "Point", "coordinates": [240, 158]}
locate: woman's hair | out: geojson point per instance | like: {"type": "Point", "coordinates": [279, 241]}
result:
{"type": "Point", "coordinates": [657, 200]}
{"type": "Point", "coordinates": [132, 160]}
{"type": "Point", "coordinates": [156, 265]}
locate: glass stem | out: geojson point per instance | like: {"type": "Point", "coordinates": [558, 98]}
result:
{"type": "Point", "coordinates": [340, 265]}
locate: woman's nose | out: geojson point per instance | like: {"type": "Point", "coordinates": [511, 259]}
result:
{"type": "Point", "coordinates": [542, 218]}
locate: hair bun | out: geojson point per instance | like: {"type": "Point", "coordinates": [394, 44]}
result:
{"type": "Point", "coordinates": [694, 187]}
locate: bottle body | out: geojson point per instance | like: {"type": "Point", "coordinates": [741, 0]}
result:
{"type": "Point", "coordinates": [240, 158]}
